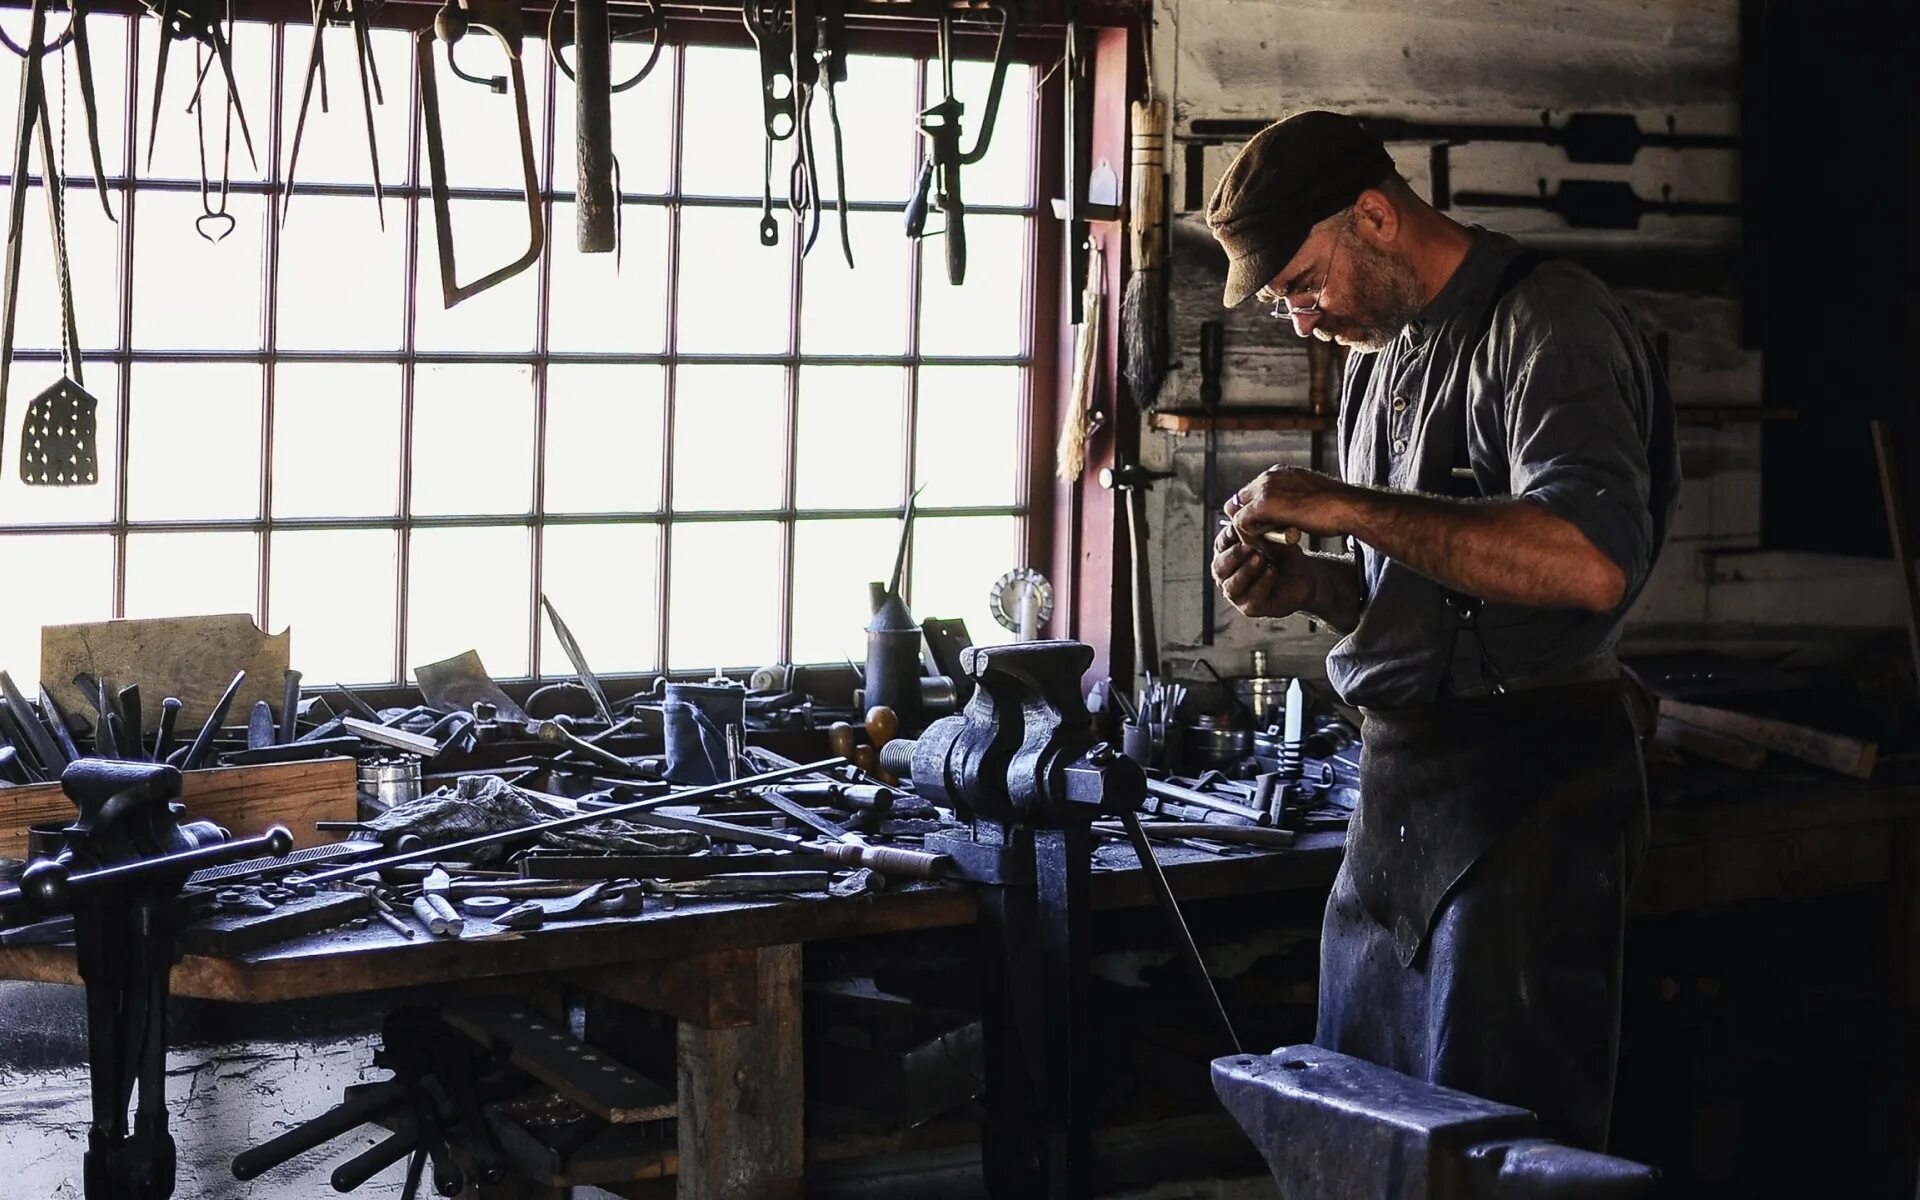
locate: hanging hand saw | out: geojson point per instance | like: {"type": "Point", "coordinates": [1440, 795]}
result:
{"type": "Point", "coordinates": [502, 19]}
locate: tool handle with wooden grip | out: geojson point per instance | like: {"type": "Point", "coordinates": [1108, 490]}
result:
{"type": "Point", "coordinates": [888, 860]}
{"type": "Point", "coordinates": [1273, 537]}
{"type": "Point", "coordinates": [1146, 150]}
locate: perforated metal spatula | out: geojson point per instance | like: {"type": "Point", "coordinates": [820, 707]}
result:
{"type": "Point", "coordinates": [58, 440]}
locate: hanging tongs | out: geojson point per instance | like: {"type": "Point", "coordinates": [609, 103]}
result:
{"type": "Point", "coordinates": [57, 445]}
{"type": "Point", "coordinates": [199, 20]}
{"type": "Point", "coordinates": [354, 14]}
{"type": "Point", "coordinates": [830, 53]}
{"type": "Point", "coordinates": [939, 183]}
{"type": "Point", "coordinates": [818, 62]}
{"type": "Point", "coordinates": [502, 19]}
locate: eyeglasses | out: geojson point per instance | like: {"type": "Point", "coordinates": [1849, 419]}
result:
{"type": "Point", "coordinates": [1284, 309]}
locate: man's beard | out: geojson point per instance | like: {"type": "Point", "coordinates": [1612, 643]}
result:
{"type": "Point", "coordinates": [1382, 295]}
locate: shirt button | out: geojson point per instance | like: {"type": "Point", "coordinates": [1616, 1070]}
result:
{"type": "Point", "coordinates": [1399, 445]}
{"type": "Point", "coordinates": [1399, 404]}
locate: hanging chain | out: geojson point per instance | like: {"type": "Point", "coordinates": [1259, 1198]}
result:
{"type": "Point", "coordinates": [69, 353]}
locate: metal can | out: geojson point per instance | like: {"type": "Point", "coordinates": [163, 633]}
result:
{"type": "Point", "coordinates": [382, 783]}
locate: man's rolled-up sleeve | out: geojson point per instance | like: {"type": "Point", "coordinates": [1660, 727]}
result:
{"type": "Point", "coordinates": [1575, 448]}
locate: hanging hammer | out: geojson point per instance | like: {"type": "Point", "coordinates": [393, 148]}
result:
{"type": "Point", "coordinates": [1135, 480]}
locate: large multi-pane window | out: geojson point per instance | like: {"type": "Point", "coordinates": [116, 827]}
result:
{"type": "Point", "coordinates": [699, 453]}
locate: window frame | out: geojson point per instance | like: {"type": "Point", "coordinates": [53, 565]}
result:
{"type": "Point", "coordinates": [1031, 500]}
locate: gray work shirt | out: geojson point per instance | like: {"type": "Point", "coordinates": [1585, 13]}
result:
{"type": "Point", "coordinates": [1566, 408]}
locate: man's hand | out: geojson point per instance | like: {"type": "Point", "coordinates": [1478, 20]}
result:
{"type": "Point", "coordinates": [1262, 579]}
{"type": "Point", "coordinates": [1292, 498]}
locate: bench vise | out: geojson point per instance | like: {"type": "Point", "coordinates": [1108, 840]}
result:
{"type": "Point", "coordinates": [1022, 765]}
{"type": "Point", "coordinates": [1334, 1127]}
{"type": "Point", "coordinates": [128, 853]}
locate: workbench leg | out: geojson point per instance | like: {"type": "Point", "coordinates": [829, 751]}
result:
{"type": "Point", "coordinates": [740, 1101]}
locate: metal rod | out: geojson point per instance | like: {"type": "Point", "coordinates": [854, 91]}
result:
{"type": "Point", "coordinates": [1143, 850]}
{"type": "Point", "coordinates": [593, 126]}
{"type": "Point", "coordinates": [635, 808]}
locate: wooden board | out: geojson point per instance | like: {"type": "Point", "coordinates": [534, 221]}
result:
{"type": "Point", "coordinates": [1834, 751]}
{"type": "Point", "coordinates": [1705, 743]}
{"type": "Point", "coordinates": [1811, 862]}
{"type": "Point", "coordinates": [232, 934]}
{"type": "Point", "coordinates": [193, 658]}
{"type": "Point", "coordinates": [609, 1089]}
{"type": "Point", "coordinates": [247, 800]}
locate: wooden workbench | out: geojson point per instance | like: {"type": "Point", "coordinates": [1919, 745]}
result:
{"type": "Point", "coordinates": [729, 970]}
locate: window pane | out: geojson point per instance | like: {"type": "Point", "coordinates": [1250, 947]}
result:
{"type": "Point", "coordinates": [865, 310]}
{"type": "Point", "coordinates": [479, 127]}
{"type": "Point", "coordinates": [333, 146]}
{"type": "Point", "coordinates": [987, 316]}
{"type": "Point", "coordinates": [642, 123]}
{"type": "Point", "coordinates": [472, 439]}
{"type": "Point", "coordinates": [487, 234]}
{"type": "Point", "coordinates": [603, 438]}
{"type": "Point", "coordinates": [832, 563]}
{"type": "Point", "coordinates": [597, 303]}
{"type": "Point", "coordinates": [341, 285]}
{"type": "Point", "coordinates": [726, 156]}
{"type": "Point", "coordinates": [849, 437]}
{"type": "Point", "coordinates": [729, 438]}
{"type": "Point", "coordinates": [73, 582]}
{"type": "Point", "coordinates": [734, 292]}
{"type": "Point", "coordinates": [955, 563]}
{"type": "Point", "coordinates": [877, 131]}
{"type": "Point", "coordinates": [176, 150]}
{"type": "Point", "coordinates": [724, 595]}
{"type": "Point", "coordinates": [969, 436]}
{"type": "Point", "coordinates": [191, 294]}
{"type": "Point", "coordinates": [336, 440]}
{"type": "Point", "coordinates": [334, 589]}
{"type": "Point", "coordinates": [193, 442]}
{"type": "Point", "coordinates": [604, 580]}
{"type": "Point", "coordinates": [93, 266]}
{"type": "Point", "coordinates": [23, 505]}
{"type": "Point", "coordinates": [193, 574]}
{"type": "Point", "coordinates": [1005, 175]}
{"type": "Point", "coordinates": [467, 590]}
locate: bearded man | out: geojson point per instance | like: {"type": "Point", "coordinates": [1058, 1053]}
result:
{"type": "Point", "coordinates": [1508, 475]}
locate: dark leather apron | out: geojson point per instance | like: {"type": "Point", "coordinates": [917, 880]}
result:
{"type": "Point", "coordinates": [1441, 784]}
{"type": "Point", "coordinates": [1473, 936]}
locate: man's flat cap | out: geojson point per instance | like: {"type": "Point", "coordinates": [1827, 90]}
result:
{"type": "Point", "coordinates": [1287, 178]}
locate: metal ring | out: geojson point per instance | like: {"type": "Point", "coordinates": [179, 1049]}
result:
{"type": "Point", "coordinates": [555, 43]}
{"type": "Point", "coordinates": [52, 47]}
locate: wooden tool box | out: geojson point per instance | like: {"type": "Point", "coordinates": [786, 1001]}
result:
{"type": "Point", "coordinates": [246, 800]}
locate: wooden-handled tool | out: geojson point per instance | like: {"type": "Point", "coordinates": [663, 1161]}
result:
{"type": "Point", "coordinates": [1274, 537]}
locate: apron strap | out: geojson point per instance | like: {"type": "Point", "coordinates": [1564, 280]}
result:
{"type": "Point", "coordinates": [1475, 673]}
